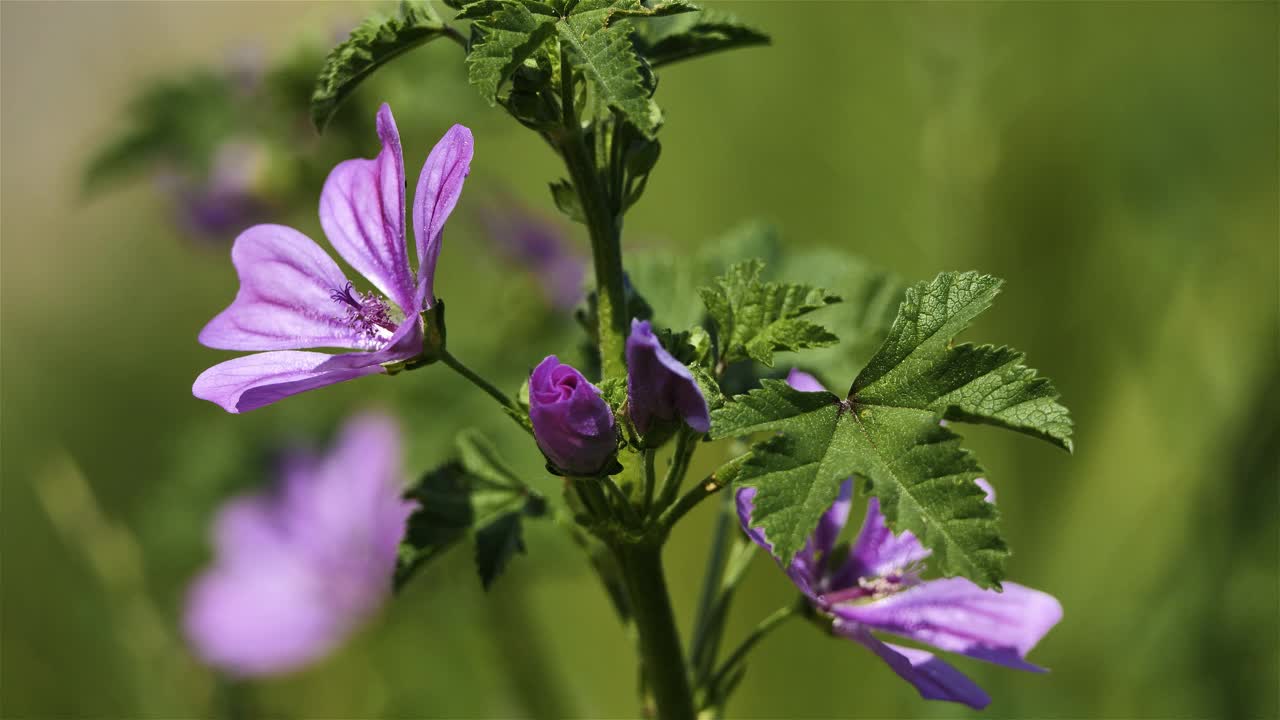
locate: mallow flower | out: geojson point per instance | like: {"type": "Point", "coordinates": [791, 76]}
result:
{"type": "Point", "coordinates": [876, 585]}
{"type": "Point", "coordinates": [293, 296]}
{"type": "Point", "coordinates": [659, 387]}
{"type": "Point", "coordinates": [299, 568]}
{"type": "Point", "coordinates": [572, 423]}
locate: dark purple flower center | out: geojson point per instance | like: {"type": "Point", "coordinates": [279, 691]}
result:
{"type": "Point", "coordinates": [367, 313]}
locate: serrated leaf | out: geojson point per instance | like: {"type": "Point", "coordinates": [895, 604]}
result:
{"type": "Point", "coordinates": [754, 319]}
{"type": "Point", "coordinates": [465, 495]}
{"type": "Point", "coordinates": [374, 43]}
{"type": "Point", "coordinates": [496, 543]}
{"type": "Point", "coordinates": [508, 37]}
{"type": "Point", "coordinates": [916, 467]}
{"type": "Point", "coordinates": [688, 36]}
{"type": "Point", "coordinates": [917, 366]}
{"type": "Point", "coordinates": [601, 50]}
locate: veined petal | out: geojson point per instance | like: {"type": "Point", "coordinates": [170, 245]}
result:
{"type": "Point", "coordinates": [439, 187]}
{"type": "Point", "coordinates": [660, 387]}
{"type": "Point", "coordinates": [932, 677]}
{"type": "Point", "coordinates": [957, 616]}
{"type": "Point", "coordinates": [877, 551]}
{"type": "Point", "coordinates": [362, 212]}
{"type": "Point", "coordinates": [285, 299]}
{"type": "Point", "coordinates": [265, 614]}
{"type": "Point", "coordinates": [250, 382]}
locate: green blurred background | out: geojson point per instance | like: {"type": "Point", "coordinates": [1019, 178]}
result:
{"type": "Point", "coordinates": [1116, 162]}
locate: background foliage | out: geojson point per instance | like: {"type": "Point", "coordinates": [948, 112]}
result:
{"type": "Point", "coordinates": [1115, 162]}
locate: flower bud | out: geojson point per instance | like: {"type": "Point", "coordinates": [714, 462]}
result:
{"type": "Point", "coordinates": [572, 423]}
{"type": "Point", "coordinates": [659, 388]}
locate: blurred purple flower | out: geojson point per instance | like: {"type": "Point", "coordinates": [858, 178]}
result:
{"type": "Point", "coordinates": [572, 423]}
{"type": "Point", "coordinates": [297, 570]}
{"type": "Point", "coordinates": [535, 244]}
{"type": "Point", "coordinates": [659, 387]}
{"type": "Point", "coordinates": [877, 586]}
{"type": "Point", "coordinates": [228, 199]}
{"type": "Point", "coordinates": [293, 295]}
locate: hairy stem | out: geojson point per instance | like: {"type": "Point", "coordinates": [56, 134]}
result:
{"type": "Point", "coordinates": [604, 226]}
{"type": "Point", "coordinates": [474, 378]}
{"type": "Point", "coordinates": [661, 656]}
{"type": "Point", "coordinates": [765, 627]}
{"type": "Point", "coordinates": [704, 621]}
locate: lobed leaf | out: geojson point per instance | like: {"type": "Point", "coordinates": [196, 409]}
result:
{"type": "Point", "coordinates": [600, 48]}
{"type": "Point", "coordinates": [507, 37]}
{"type": "Point", "coordinates": [754, 319]}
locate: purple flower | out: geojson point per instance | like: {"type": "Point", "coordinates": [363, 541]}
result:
{"type": "Point", "coordinates": [537, 245]}
{"type": "Point", "coordinates": [299, 569]}
{"type": "Point", "coordinates": [877, 586]}
{"type": "Point", "coordinates": [659, 387]}
{"type": "Point", "coordinates": [293, 296]}
{"type": "Point", "coordinates": [572, 423]}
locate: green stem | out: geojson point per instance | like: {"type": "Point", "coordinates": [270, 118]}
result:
{"type": "Point", "coordinates": [686, 443]}
{"type": "Point", "coordinates": [650, 480]}
{"type": "Point", "coordinates": [604, 226]}
{"type": "Point", "coordinates": [704, 620]}
{"type": "Point", "coordinates": [689, 500]}
{"type": "Point", "coordinates": [476, 380]}
{"type": "Point", "coordinates": [661, 657]}
{"type": "Point", "coordinates": [765, 627]}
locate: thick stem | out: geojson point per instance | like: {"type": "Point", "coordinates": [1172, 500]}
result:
{"type": "Point", "coordinates": [661, 657]}
{"type": "Point", "coordinates": [604, 226]}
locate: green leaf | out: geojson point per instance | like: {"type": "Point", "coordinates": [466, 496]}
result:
{"type": "Point", "coordinates": [601, 50]}
{"type": "Point", "coordinates": [377, 41]}
{"type": "Point", "coordinates": [754, 319]}
{"type": "Point", "coordinates": [924, 479]}
{"type": "Point", "coordinates": [496, 543]}
{"type": "Point", "coordinates": [507, 38]}
{"type": "Point", "coordinates": [917, 366]}
{"type": "Point", "coordinates": [688, 36]}
{"type": "Point", "coordinates": [477, 492]}
{"type": "Point", "coordinates": [889, 431]}
{"type": "Point", "coordinates": [870, 303]}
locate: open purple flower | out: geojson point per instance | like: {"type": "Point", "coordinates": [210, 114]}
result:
{"type": "Point", "coordinates": [659, 387]}
{"type": "Point", "coordinates": [876, 586]}
{"type": "Point", "coordinates": [298, 569]}
{"type": "Point", "coordinates": [294, 297]}
{"type": "Point", "coordinates": [572, 423]}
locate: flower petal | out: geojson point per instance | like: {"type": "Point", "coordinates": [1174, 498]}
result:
{"type": "Point", "coordinates": [263, 614]}
{"type": "Point", "coordinates": [250, 382]}
{"type": "Point", "coordinates": [877, 551]}
{"type": "Point", "coordinates": [439, 187]}
{"type": "Point", "coordinates": [803, 381]}
{"type": "Point", "coordinates": [659, 387]}
{"type": "Point", "coordinates": [801, 570]}
{"type": "Point", "coordinates": [957, 616]}
{"type": "Point", "coordinates": [347, 513]}
{"type": "Point", "coordinates": [362, 212]}
{"type": "Point", "coordinates": [832, 522]}
{"type": "Point", "coordinates": [934, 678]}
{"type": "Point", "coordinates": [285, 299]}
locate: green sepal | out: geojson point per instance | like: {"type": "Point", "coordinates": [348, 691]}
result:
{"type": "Point", "coordinates": [377, 41]}
{"type": "Point", "coordinates": [567, 200]}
